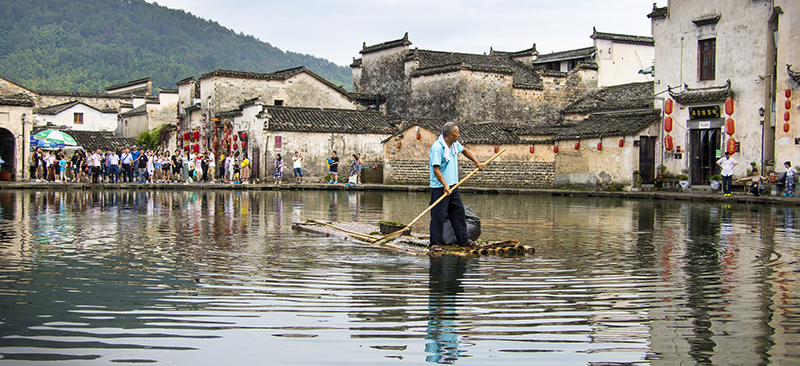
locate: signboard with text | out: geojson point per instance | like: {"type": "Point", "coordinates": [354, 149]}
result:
{"type": "Point", "coordinates": [704, 112]}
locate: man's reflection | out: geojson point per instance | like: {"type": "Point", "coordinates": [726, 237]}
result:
{"type": "Point", "coordinates": [444, 285]}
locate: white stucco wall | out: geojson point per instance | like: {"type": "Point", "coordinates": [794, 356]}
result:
{"type": "Point", "coordinates": [619, 63]}
{"type": "Point", "coordinates": [741, 57]}
{"type": "Point", "coordinates": [786, 146]}
{"type": "Point", "coordinates": [93, 120]}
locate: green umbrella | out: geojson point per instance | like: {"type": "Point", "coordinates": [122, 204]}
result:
{"type": "Point", "coordinates": [56, 137]}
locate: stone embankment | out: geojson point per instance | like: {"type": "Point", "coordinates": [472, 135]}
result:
{"type": "Point", "coordinates": [687, 195]}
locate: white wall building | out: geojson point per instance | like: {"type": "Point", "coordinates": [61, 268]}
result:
{"type": "Point", "coordinates": [77, 116]}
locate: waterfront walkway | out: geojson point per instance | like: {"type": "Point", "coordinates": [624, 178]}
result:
{"type": "Point", "coordinates": [690, 194]}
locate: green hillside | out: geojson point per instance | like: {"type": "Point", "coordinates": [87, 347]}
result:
{"type": "Point", "coordinates": [87, 45]}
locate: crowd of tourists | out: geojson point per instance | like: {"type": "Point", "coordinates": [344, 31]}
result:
{"type": "Point", "coordinates": [124, 165]}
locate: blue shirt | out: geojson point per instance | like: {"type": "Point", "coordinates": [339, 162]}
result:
{"type": "Point", "coordinates": [135, 155]}
{"type": "Point", "coordinates": [449, 168]}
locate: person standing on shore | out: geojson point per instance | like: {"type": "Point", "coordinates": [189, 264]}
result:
{"type": "Point", "coordinates": [334, 171]}
{"type": "Point", "coordinates": [212, 165]}
{"type": "Point", "coordinates": [789, 179]}
{"type": "Point", "coordinates": [297, 167]}
{"type": "Point", "coordinates": [113, 167]}
{"type": "Point", "coordinates": [97, 165]}
{"type": "Point", "coordinates": [443, 174]}
{"type": "Point", "coordinates": [727, 163]}
{"type": "Point", "coordinates": [127, 171]}
{"type": "Point", "coordinates": [278, 174]}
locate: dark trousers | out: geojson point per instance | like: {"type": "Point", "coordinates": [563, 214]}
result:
{"type": "Point", "coordinates": [727, 180]}
{"type": "Point", "coordinates": [113, 172]}
{"type": "Point", "coordinates": [96, 174]}
{"type": "Point", "coordinates": [127, 173]}
{"type": "Point", "coordinates": [452, 207]}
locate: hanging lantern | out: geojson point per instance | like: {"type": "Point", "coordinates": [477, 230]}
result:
{"type": "Point", "coordinates": [215, 145]}
{"type": "Point", "coordinates": [496, 149]}
{"type": "Point", "coordinates": [600, 146]}
{"type": "Point", "coordinates": [419, 136]}
{"type": "Point", "coordinates": [235, 146]}
{"type": "Point", "coordinates": [244, 135]}
{"type": "Point", "coordinates": [621, 143]}
{"type": "Point", "coordinates": [186, 147]}
{"type": "Point", "coordinates": [668, 106]}
{"type": "Point", "coordinates": [668, 142]}
{"type": "Point", "coordinates": [244, 145]}
{"type": "Point", "coordinates": [577, 145]}
{"type": "Point", "coordinates": [555, 149]}
{"type": "Point", "coordinates": [788, 93]}
{"type": "Point", "coordinates": [179, 128]}
{"type": "Point", "coordinates": [786, 116]}
{"type": "Point", "coordinates": [730, 126]}
{"type": "Point", "coordinates": [786, 127]}
{"type": "Point", "coordinates": [235, 137]}
{"type": "Point", "coordinates": [196, 134]}
{"type": "Point", "coordinates": [668, 124]}
{"type": "Point", "coordinates": [787, 104]}
{"type": "Point", "coordinates": [730, 146]}
{"type": "Point", "coordinates": [186, 135]}
{"type": "Point", "coordinates": [729, 106]}
{"type": "Point", "coordinates": [196, 148]}
{"type": "Point", "coordinates": [531, 149]}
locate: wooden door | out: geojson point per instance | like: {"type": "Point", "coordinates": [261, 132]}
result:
{"type": "Point", "coordinates": [647, 159]}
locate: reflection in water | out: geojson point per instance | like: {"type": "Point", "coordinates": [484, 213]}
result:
{"type": "Point", "coordinates": [216, 277]}
{"type": "Point", "coordinates": [446, 273]}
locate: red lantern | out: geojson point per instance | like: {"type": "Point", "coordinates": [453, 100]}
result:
{"type": "Point", "coordinates": [186, 135]}
{"type": "Point", "coordinates": [419, 136]}
{"type": "Point", "coordinates": [731, 146]}
{"type": "Point", "coordinates": [786, 116]}
{"type": "Point", "coordinates": [235, 137]}
{"type": "Point", "coordinates": [196, 134]}
{"type": "Point", "coordinates": [215, 145]}
{"type": "Point", "coordinates": [196, 148]}
{"type": "Point", "coordinates": [668, 142]}
{"type": "Point", "coordinates": [531, 149]}
{"type": "Point", "coordinates": [235, 146]}
{"type": "Point", "coordinates": [729, 106]}
{"type": "Point", "coordinates": [730, 126]}
{"type": "Point", "coordinates": [577, 145]}
{"type": "Point", "coordinates": [668, 124]}
{"type": "Point", "coordinates": [668, 106]}
{"type": "Point", "coordinates": [786, 127]}
{"type": "Point", "coordinates": [621, 142]}
{"type": "Point", "coordinates": [788, 93]}
{"type": "Point", "coordinates": [600, 146]}
{"type": "Point", "coordinates": [244, 136]}
{"type": "Point", "coordinates": [496, 149]}
{"type": "Point", "coordinates": [555, 149]}
{"type": "Point", "coordinates": [186, 147]}
{"type": "Point", "coordinates": [244, 145]}
{"type": "Point", "coordinates": [787, 104]}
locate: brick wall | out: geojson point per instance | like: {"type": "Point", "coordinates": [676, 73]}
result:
{"type": "Point", "coordinates": [497, 174]}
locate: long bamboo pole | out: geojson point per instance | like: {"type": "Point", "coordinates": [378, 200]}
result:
{"type": "Point", "coordinates": [438, 200]}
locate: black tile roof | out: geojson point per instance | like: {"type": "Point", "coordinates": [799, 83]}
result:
{"type": "Point", "coordinates": [58, 108]}
{"type": "Point", "coordinates": [658, 13]}
{"type": "Point", "coordinates": [703, 95]}
{"type": "Point", "coordinates": [710, 19]}
{"type": "Point", "coordinates": [57, 93]}
{"type": "Point", "coordinates": [621, 123]}
{"type": "Point", "coordinates": [385, 45]}
{"type": "Point", "coordinates": [793, 74]}
{"type": "Point", "coordinates": [613, 98]}
{"type": "Point", "coordinates": [297, 119]}
{"type": "Point", "coordinates": [367, 97]}
{"type": "Point", "coordinates": [129, 83]}
{"type": "Point", "coordinates": [92, 140]}
{"type": "Point", "coordinates": [277, 75]}
{"type": "Point", "coordinates": [17, 100]}
{"type": "Point", "coordinates": [185, 81]}
{"type": "Point", "coordinates": [565, 55]}
{"type": "Point", "coordinates": [486, 132]}
{"type": "Point", "coordinates": [356, 62]}
{"type": "Point", "coordinates": [437, 62]}
{"type": "Point", "coordinates": [138, 111]}
{"type": "Point", "coordinates": [623, 38]}
{"type": "Point", "coordinates": [168, 91]}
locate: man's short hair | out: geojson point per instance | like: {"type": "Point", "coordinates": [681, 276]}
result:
{"type": "Point", "coordinates": [448, 128]}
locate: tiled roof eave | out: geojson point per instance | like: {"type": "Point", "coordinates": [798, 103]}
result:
{"type": "Point", "coordinates": [703, 95]}
{"type": "Point", "coordinates": [793, 74]}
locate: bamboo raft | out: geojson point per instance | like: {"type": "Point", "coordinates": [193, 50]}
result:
{"type": "Point", "coordinates": [416, 244]}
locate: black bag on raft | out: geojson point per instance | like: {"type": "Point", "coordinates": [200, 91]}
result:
{"type": "Point", "coordinates": [473, 227]}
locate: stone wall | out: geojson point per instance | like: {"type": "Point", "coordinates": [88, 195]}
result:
{"type": "Point", "coordinates": [96, 100]}
{"type": "Point", "coordinates": [496, 174]}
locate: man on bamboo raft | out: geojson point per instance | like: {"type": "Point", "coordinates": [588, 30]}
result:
{"type": "Point", "coordinates": [444, 173]}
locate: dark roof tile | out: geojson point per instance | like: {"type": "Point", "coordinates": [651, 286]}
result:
{"type": "Point", "coordinates": [326, 120]}
{"type": "Point", "coordinates": [614, 98]}
{"type": "Point", "coordinates": [703, 95]}
{"type": "Point", "coordinates": [57, 93]}
{"type": "Point", "coordinates": [385, 45]}
{"type": "Point", "coordinates": [129, 83]}
{"type": "Point", "coordinates": [622, 123]}
{"type": "Point", "coordinates": [793, 74]}
{"type": "Point", "coordinates": [565, 55]}
{"type": "Point", "coordinates": [17, 100]}
{"type": "Point", "coordinates": [92, 140]}
{"type": "Point", "coordinates": [623, 38]}
{"type": "Point", "coordinates": [658, 13]}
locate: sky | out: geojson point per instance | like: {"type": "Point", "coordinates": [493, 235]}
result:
{"type": "Point", "coordinates": [337, 29]}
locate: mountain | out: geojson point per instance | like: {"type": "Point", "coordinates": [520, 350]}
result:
{"type": "Point", "coordinates": [87, 45]}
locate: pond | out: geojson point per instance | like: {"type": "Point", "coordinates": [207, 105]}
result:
{"type": "Point", "coordinates": [220, 277]}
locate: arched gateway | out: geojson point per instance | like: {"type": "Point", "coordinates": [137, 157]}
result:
{"type": "Point", "coordinates": [7, 154]}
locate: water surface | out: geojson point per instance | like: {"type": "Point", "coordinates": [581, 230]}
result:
{"type": "Point", "coordinates": [220, 277]}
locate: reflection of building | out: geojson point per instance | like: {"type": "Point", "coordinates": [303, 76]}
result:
{"type": "Point", "coordinates": [708, 51]}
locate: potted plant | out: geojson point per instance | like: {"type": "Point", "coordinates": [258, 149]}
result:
{"type": "Point", "coordinates": [683, 179]}
{"type": "Point", "coordinates": [715, 181]}
{"type": "Point", "coordinates": [637, 179]}
{"type": "Point", "coordinates": [661, 170]}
